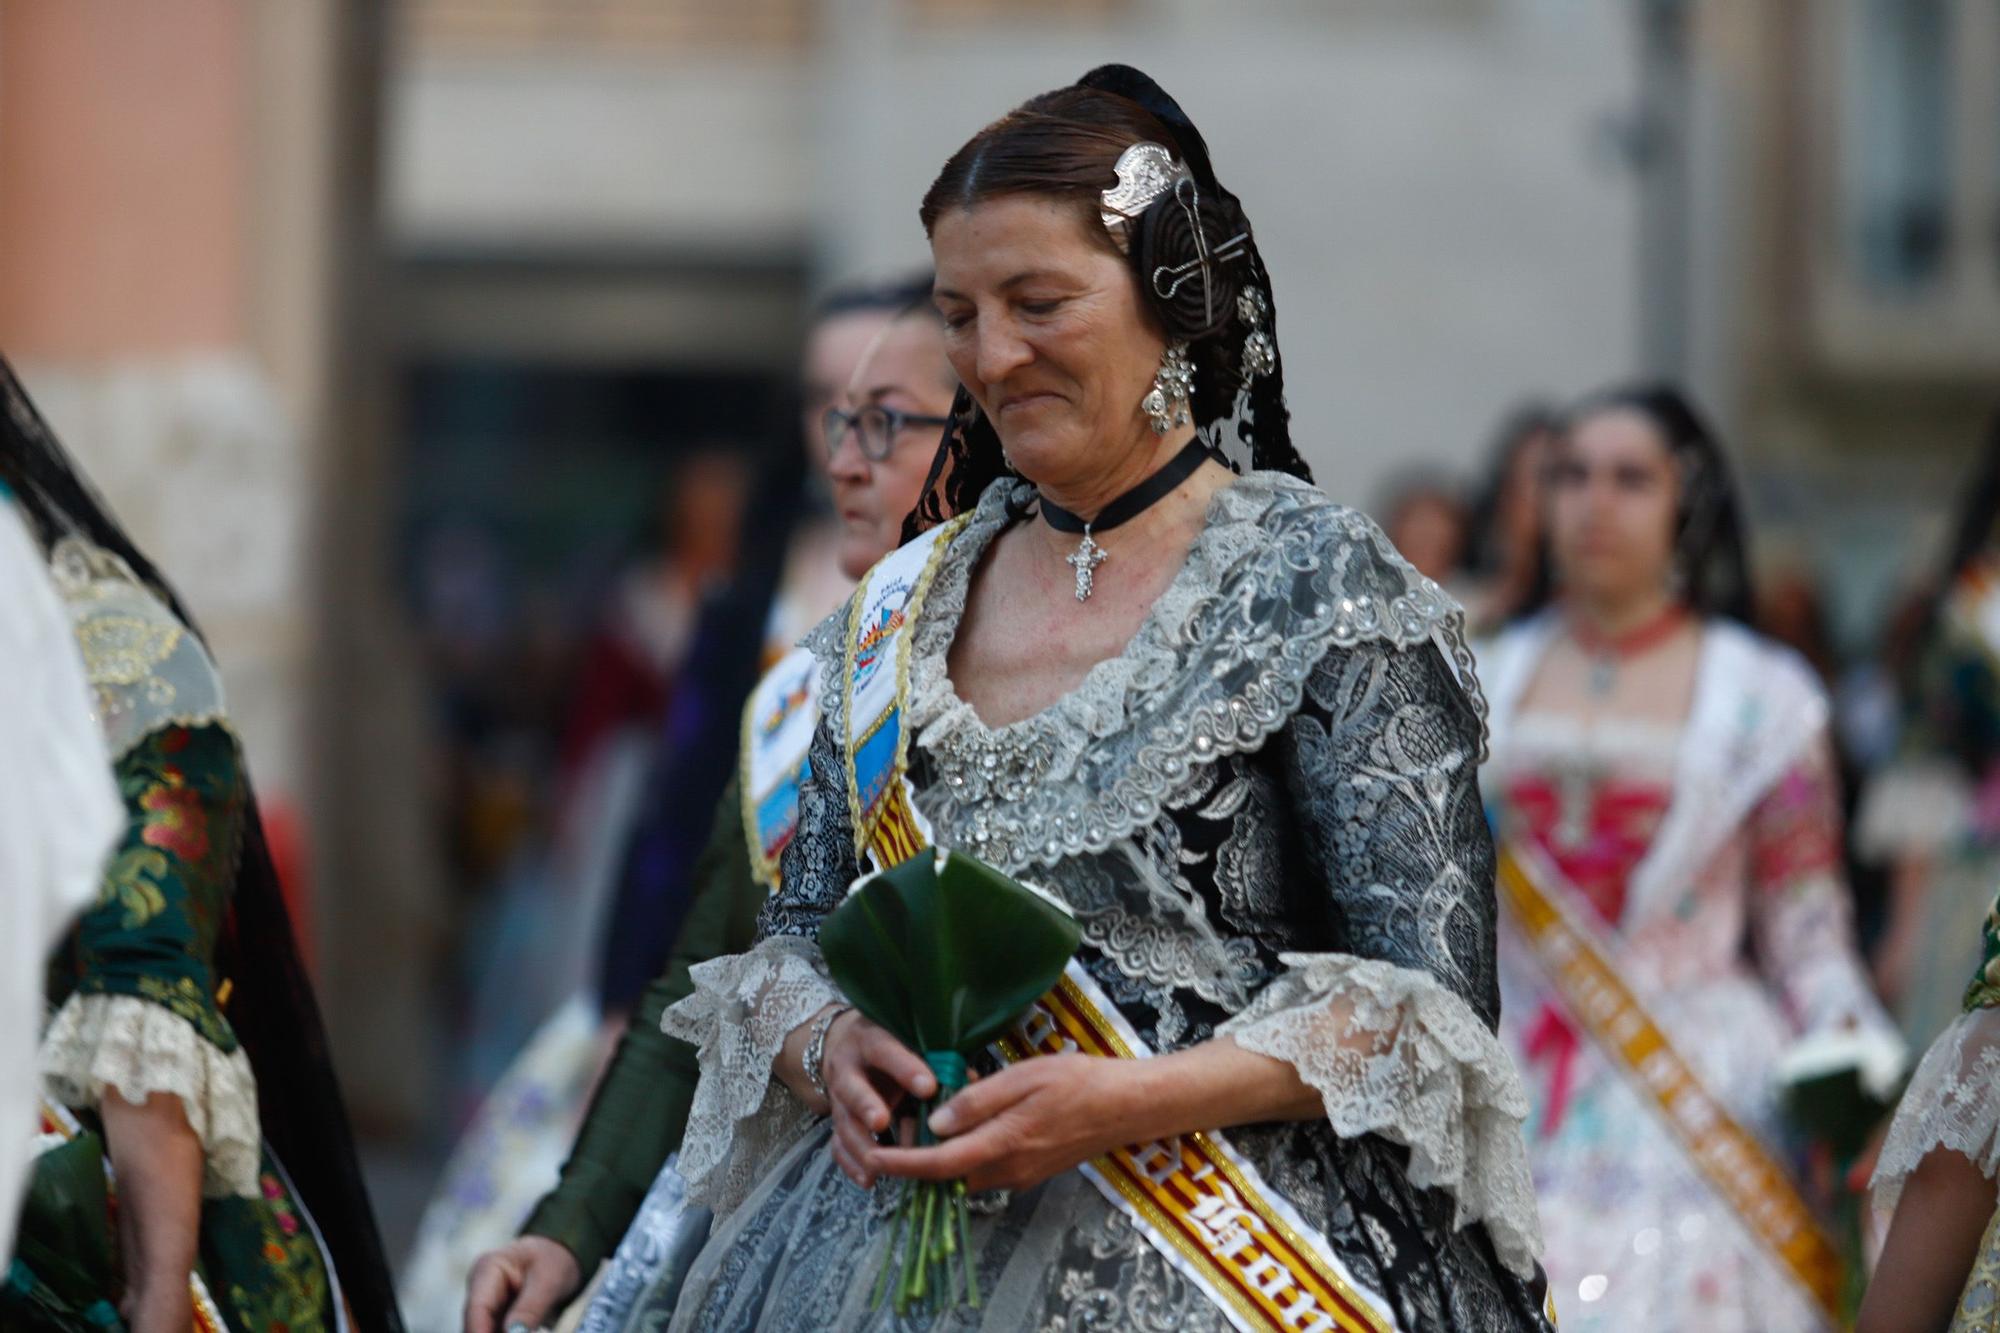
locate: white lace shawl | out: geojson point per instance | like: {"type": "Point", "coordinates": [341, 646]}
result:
{"type": "Point", "coordinates": [99, 1044]}
{"type": "Point", "coordinates": [1953, 1101]}
{"type": "Point", "coordinates": [1279, 577]}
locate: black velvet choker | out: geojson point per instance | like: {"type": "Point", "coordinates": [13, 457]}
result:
{"type": "Point", "coordinates": [1088, 554]}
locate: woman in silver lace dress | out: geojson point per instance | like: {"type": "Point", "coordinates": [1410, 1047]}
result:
{"type": "Point", "coordinates": [1226, 724]}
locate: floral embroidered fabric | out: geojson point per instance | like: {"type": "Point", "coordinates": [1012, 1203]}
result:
{"type": "Point", "coordinates": [134, 985]}
{"type": "Point", "coordinates": [1264, 814]}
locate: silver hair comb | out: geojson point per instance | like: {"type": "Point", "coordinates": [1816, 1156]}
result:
{"type": "Point", "coordinates": [1145, 172]}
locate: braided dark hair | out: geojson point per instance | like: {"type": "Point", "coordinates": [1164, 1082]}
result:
{"type": "Point", "coordinates": [1711, 542]}
{"type": "Point", "coordinates": [1066, 144]}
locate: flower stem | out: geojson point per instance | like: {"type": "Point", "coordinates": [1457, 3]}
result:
{"type": "Point", "coordinates": [889, 1257]}
{"type": "Point", "coordinates": [912, 1248]}
{"type": "Point", "coordinates": [965, 1243]}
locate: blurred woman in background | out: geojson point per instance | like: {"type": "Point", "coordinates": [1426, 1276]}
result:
{"type": "Point", "coordinates": [1664, 790]}
{"type": "Point", "coordinates": [873, 434]}
{"type": "Point", "coordinates": [1426, 519]}
{"type": "Point", "coordinates": [1505, 544]}
{"type": "Point", "coordinates": [185, 1068]}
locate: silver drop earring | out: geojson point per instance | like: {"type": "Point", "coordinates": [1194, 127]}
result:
{"type": "Point", "coordinates": [1166, 405]}
{"type": "Point", "coordinates": [1260, 354]}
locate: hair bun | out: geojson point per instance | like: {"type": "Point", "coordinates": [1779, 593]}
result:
{"type": "Point", "coordinates": [1189, 248]}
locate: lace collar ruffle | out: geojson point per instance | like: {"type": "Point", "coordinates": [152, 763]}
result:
{"type": "Point", "coordinates": [1279, 576]}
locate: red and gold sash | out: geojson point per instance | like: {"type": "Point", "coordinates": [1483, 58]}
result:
{"type": "Point", "coordinates": [1198, 1200]}
{"type": "Point", "coordinates": [1732, 1158]}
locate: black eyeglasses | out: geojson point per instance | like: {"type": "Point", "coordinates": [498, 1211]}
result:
{"type": "Point", "coordinates": [876, 429]}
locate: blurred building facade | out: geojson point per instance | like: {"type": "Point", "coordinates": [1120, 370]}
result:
{"type": "Point", "coordinates": [1842, 276]}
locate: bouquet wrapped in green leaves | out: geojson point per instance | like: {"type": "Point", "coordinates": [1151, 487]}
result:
{"type": "Point", "coordinates": [945, 952]}
{"type": "Point", "coordinates": [1836, 1088]}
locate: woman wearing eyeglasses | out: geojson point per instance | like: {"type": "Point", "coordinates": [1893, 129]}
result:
{"type": "Point", "coordinates": [882, 433]}
{"type": "Point", "coordinates": [877, 385]}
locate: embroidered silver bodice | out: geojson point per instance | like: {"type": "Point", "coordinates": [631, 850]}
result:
{"type": "Point", "coordinates": [1287, 601]}
{"type": "Point", "coordinates": [1264, 812]}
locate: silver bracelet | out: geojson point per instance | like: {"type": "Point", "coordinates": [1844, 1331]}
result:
{"type": "Point", "coordinates": [815, 1055]}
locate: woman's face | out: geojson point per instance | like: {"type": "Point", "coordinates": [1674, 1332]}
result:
{"type": "Point", "coordinates": [905, 371]}
{"type": "Point", "coordinates": [1044, 327]}
{"type": "Point", "coordinates": [1614, 490]}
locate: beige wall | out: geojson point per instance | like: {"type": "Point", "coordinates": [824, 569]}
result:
{"type": "Point", "coordinates": [122, 178]}
{"type": "Point", "coordinates": [177, 230]}
{"type": "Point", "coordinates": [1428, 177]}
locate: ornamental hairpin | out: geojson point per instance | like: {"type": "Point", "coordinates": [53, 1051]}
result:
{"type": "Point", "coordinates": [1145, 172]}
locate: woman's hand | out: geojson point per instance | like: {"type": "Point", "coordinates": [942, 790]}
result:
{"type": "Point", "coordinates": [1037, 1119]}
{"type": "Point", "coordinates": [523, 1283]}
{"type": "Point", "coordinates": [158, 1163]}
{"type": "Point", "coordinates": [1027, 1123]}
{"type": "Point", "coordinates": [869, 1075]}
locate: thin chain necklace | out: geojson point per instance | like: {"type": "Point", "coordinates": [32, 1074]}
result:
{"type": "Point", "coordinates": [1607, 652]}
{"type": "Point", "coordinates": [1580, 774]}
{"type": "Point", "coordinates": [1088, 554]}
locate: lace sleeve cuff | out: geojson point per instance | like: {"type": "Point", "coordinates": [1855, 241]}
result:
{"type": "Point", "coordinates": [1391, 1052]}
{"type": "Point", "coordinates": [132, 1046]}
{"type": "Point", "coordinates": [1953, 1101]}
{"type": "Point", "coordinates": [742, 1009]}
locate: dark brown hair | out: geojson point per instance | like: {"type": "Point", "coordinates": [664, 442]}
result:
{"type": "Point", "coordinates": [1065, 145]}
{"type": "Point", "coordinates": [1062, 145]}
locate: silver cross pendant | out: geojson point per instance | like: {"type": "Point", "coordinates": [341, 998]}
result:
{"type": "Point", "coordinates": [1085, 560]}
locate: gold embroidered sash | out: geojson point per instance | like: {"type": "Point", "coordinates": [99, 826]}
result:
{"type": "Point", "coordinates": [1200, 1202]}
{"type": "Point", "coordinates": [1732, 1159]}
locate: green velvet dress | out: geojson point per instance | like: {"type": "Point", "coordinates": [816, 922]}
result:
{"type": "Point", "coordinates": [138, 1006]}
{"type": "Point", "coordinates": [641, 1109]}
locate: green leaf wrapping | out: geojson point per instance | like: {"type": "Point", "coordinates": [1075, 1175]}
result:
{"type": "Point", "coordinates": [945, 951]}
{"type": "Point", "coordinates": [65, 1271]}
